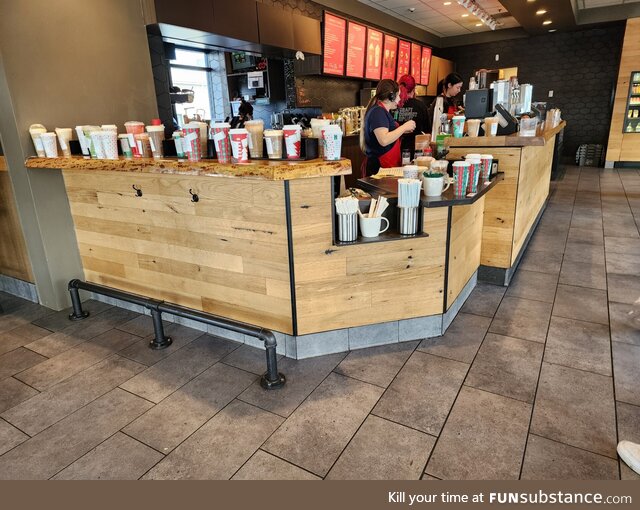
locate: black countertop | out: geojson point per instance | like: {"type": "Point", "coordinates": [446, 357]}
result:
{"type": "Point", "coordinates": [388, 187]}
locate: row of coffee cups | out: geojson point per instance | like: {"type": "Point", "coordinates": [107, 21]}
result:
{"type": "Point", "coordinates": [473, 126]}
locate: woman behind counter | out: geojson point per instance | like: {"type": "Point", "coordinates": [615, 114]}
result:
{"type": "Point", "coordinates": [449, 88]}
{"type": "Point", "coordinates": [380, 137]}
{"type": "Point", "coordinates": [411, 108]}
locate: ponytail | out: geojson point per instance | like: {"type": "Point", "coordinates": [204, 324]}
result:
{"type": "Point", "coordinates": [386, 89]}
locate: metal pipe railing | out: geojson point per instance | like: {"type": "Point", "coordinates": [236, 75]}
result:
{"type": "Point", "coordinates": [271, 379]}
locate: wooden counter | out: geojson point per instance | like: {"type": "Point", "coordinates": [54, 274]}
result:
{"type": "Point", "coordinates": [513, 208]}
{"type": "Point", "coordinates": [14, 259]}
{"type": "Point", "coordinates": [262, 251]}
{"type": "Point", "coordinates": [263, 169]}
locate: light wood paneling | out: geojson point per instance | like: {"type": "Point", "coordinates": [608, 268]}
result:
{"type": "Point", "coordinates": [465, 246]}
{"type": "Point", "coordinates": [343, 286]}
{"type": "Point", "coordinates": [225, 254]}
{"type": "Point", "coordinates": [533, 190]}
{"type": "Point", "coordinates": [499, 207]}
{"type": "Point", "coordinates": [622, 146]}
{"type": "Point", "coordinates": [14, 259]}
{"type": "Point", "coordinates": [542, 137]}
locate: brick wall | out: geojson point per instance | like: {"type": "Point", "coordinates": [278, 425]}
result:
{"type": "Point", "coordinates": [581, 68]}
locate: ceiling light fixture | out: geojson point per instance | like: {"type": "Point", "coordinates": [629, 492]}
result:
{"type": "Point", "coordinates": [447, 3]}
{"type": "Point", "coordinates": [478, 11]}
{"type": "Point", "coordinates": [478, 24]}
{"type": "Point", "coordinates": [541, 12]}
{"type": "Point", "coordinates": [547, 22]}
{"type": "Point", "coordinates": [552, 30]}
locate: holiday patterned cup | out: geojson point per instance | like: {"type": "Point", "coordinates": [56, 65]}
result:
{"type": "Point", "coordinates": [239, 145]}
{"type": "Point", "coordinates": [332, 142]}
{"type": "Point", "coordinates": [191, 143]}
{"type": "Point", "coordinates": [487, 161]}
{"type": "Point", "coordinates": [292, 140]}
{"type": "Point", "coordinates": [461, 176]}
{"type": "Point", "coordinates": [475, 169]}
{"type": "Point", "coordinates": [220, 135]}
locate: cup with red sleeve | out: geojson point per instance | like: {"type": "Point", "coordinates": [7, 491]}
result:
{"type": "Point", "coordinates": [461, 177]}
{"type": "Point", "coordinates": [220, 135]}
{"type": "Point", "coordinates": [239, 145]}
{"type": "Point", "coordinates": [292, 140]}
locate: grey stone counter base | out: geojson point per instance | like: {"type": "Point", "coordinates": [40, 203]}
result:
{"type": "Point", "coordinates": [20, 288]}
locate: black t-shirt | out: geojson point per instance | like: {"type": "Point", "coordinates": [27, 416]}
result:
{"type": "Point", "coordinates": [377, 117]}
{"type": "Point", "coordinates": [416, 110]}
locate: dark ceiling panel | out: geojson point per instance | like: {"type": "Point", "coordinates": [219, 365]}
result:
{"type": "Point", "coordinates": [559, 11]}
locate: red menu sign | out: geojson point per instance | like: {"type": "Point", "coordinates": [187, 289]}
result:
{"type": "Point", "coordinates": [356, 41]}
{"type": "Point", "coordinates": [389, 57]}
{"type": "Point", "coordinates": [335, 31]}
{"type": "Point", "coordinates": [416, 55]}
{"type": "Point", "coordinates": [426, 66]}
{"type": "Point", "coordinates": [374, 55]}
{"type": "Point", "coordinates": [404, 58]}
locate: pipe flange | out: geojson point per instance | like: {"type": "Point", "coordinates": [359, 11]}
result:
{"type": "Point", "coordinates": [82, 316]}
{"type": "Point", "coordinates": [272, 385]}
{"type": "Point", "coordinates": [161, 345]}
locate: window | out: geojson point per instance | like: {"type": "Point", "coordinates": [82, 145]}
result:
{"type": "Point", "coordinates": [190, 71]}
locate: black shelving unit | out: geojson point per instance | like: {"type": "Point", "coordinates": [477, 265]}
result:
{"type": "Point", "coordinates": [632, 111]}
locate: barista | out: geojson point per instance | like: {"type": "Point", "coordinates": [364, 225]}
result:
{"type": "Point", "coordinates": [449, 89]}
{"type": "Point", "coordinates": [411, 108]}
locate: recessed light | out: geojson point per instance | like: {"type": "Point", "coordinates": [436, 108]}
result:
{"type": "Point", "coordinates": [447, 3]}
{"type": "Point", "coordinates": [552, 30]}
{"type": "Point", "coordinates": [541, 12]}
{"type": "Point", "coordinates": [478, 24]}
{"type": "Point", "coordinates": [412, 9]}
{"type": "Point", "coordinates": [465, 15]}
{"type": "Point", "coordinates": [547, 22]}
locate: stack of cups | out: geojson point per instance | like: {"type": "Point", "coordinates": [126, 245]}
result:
{"type": "Point", "coordinates": [109, 139]}
{"type": "Point", "coordinates": [273, 141]}
{"type": "Point", "coordinates": [487, 161]}
{"type": "Point", "coordinates": [461, 177]}
{"type": "Point", "coordinates": [133, 128]}
{"type": "Point", "coordinates": [64, 135]}
{"type": "Point", "coordinates": [475, 169]}
{"type": "Point", "coordinates": [292, 140]}
{"type": "Point", "coordinates": [84, 143]}
{"type": "Point", "coordinates": [178, 140]}
{"type": "Point", "coordinates": [473, 127]}
{"type": "Point", "coordinates": [256, 135]}
{"type": "Point", "coordinates": [35, 130]}
{"type": "Point", "coordinates": [156, 137]}
{"type": "Point", "coordinates": [191, 143]}
{"type": "Point", "coordinates": [458, 126]}
{"type": "Point", "coordinates": [332, 142]}
{"type": "Point", "coordinates": [124, 145]}
{"type": "Point", "coordinates": [317, 125]}
{"type": "Point", "coordinates": [239, 145]}
{"type": "Point", "coordinates": [49, 144]}
{"type": "Point", "coordinates": [220, 135]}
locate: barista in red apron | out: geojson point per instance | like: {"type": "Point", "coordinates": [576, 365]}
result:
{"type": "Point", "coordinates": [380, 136]}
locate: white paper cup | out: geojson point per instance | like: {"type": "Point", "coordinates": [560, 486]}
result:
{"type": "Point", "coordinates": [96, 142]}
{"type": "Point", "coordinates": [273, 141]}
{"type": "Point", "coordinates": [239, 144]}
{"type": "Point", "coordinates": [487, 161]}
{"type": "Point", "coordinates": [256, 136]}
{"type": "Point", "coordinates": [84, 144]}
{"type": "Point", "coordinates": [473, 127]}
{"type": "Point", "coordinates": [109, 141]}
{"type": "Point", "coordinates": [490, 126]}
{"type": "Point", "coordinates": [220, 135]}
{"type": "Point", "coordinates": [124, 145]}
{"type": "Point", "coordinates": [156, 137]}
{"type": "Point", "coordinates": [292, 140]}
{"type": "Point", "coordinates": [410, 171]}
{"type": "Point", "coordinates": [64, 135]}
{"type": "Point", "coordinates": [331, 142]}
{"type": "Point", "coordinates": [49, 144]}
{"type": "Point", "coordinates": [109, 127]}
{"type": "Point", "coordinates": [35, 130]}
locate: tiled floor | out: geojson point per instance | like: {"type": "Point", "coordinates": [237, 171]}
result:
{"type": "Point", "coordinates": [537, 382]}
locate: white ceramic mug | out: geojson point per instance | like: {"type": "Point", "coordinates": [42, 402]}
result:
{"type": "Point", "coordinates": [370, 227]}
{"type": "Point", "coordinates": [436, 186]}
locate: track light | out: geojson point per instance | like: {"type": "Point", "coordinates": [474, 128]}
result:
{"type": "Point", "coordinates": [479, 12]}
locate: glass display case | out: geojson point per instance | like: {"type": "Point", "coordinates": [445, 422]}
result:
{"type": "Point", "coordinates": [632, 112]}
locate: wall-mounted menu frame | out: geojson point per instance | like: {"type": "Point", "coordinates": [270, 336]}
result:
{"type": "Point", "coordinates": [373, 67]}
{"type": "Point", "coordinates": [404, 58]}
{"type": "Point", "coordinates": [416, 61]}
{"type": "Point", "coordinates": [425, 66]}
{"type": "Point", "coordinates": [356, 45]}
{"type": "Point", "coordinates": [389, 57]}
{"type": "Point", "coordinates": [333, 44]}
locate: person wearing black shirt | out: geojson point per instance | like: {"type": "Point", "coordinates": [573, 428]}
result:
{"type": "Point", "coordinates": [411, 108]}
{"type": "Point", "coordinates": [449, 88]}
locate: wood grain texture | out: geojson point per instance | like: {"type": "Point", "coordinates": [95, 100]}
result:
{"type": "Point", "coordinates": [622, 146]}
{"type": "Point", "coordinates": [533, 189]}
{"type": "Point", "coordinates": [225, 254]}
{"type": "Point", "coordinates": [14, 259]}
{"type": "Point", "coordinates": [259, 169]}
{"type": "Point", "coordinates": [543, 137]}
{"type": "Point", "coordinates": [465, 246]}
{"type": "Point", "coordinates": [343, 286]}
{"type": "Point", "coordinates": [499, 207]}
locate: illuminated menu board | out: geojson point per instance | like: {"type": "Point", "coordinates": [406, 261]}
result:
{"type": "Point", "coordinates": [389, 57]}
{"type": "Point", "coordinates": [425, 66]}
{"type": "Point", "coordinates": [374, 54]}
{"type": "Point", "coordinates": [404, 58]}
{"type": "Point", "coordinates": [416, 56]}
{"type": "Point", "coordinates": [357, 38]}
{"type": "Point", "coordinates": [335, 35]}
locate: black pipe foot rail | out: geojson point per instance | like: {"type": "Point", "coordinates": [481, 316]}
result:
{"type": "Point", "coordinates": [271, 379]}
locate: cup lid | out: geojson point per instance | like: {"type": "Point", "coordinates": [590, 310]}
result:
{"type": "Point", "coordinates": [238, 131]}
{"type": "Point", "coordinates": [156, 122]}
{"type": "Point", "coordinates": [273, 132]}
{"type": "Point", "coordinates": [486, 156]}
{"type": "Point", "coordinates": [134, 123]}
{"type": "Point", "coordinates": [155, 128]}
{"type": "Point", "coordinates": [461, 163]}
{"type": "Point", "coordinates": [292, 126]}
{"type": "Point", "coordinates": [474, 155]}
{"type": "Point", "coordinates": [220, 125]}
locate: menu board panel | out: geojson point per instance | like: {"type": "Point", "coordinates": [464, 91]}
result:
{"type": "Point", "coordinates": [425, 66]}
{"type": "Point", "coordinates": [389, 57]}
{"type": "Point", "coordinates": [356, 41]}
{"type": "Point", "coordinates": [416, 60]}
{"type": "Point", "coordinates": [335, 35]}
{"type": "Point", "coordinates": [374, 54]}
{"type": "Point", "coordinates": [404, 58]}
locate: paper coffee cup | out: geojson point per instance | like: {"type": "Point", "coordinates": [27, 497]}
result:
{"type": "Point", "coordinates": [239, 145]}
{"type": "Point", "coordinates": [292, 140]}
{"type": "Point", "coordinates": [134, 127]}
{"type": "Point", "coordinates": [97, 143]}
{"type": "Point", "coordinates": [475, 170]}
{"type": "Point", "coordinates": [331, 142]}
{"type": "Point", "coordinates": [191, 143]}
{"type": "Point", "coordinates": [35, 130]}
{"type": "Point", "coordinates": [87, 130]}
{"type": "Point", "coordinates": [124, 146]}
{"type": "Point", "coordinates": [461, 176]}
{"type": "Point", "coordinates": [487, 161]}
{"type": "Point", "coordinates": [220, 136]}
{"type": "Point", "coordinates": [49, 144]}
{"type": "Point", "coordinates": [156, 137]}
{"type": "Point", "coordinates": [256, 137]}
{"type": "Point", "coordinates": [458, 126]}
{"type": "Point", "coordinates": [473, 127]}
{"type": "Point", "coordinates": [109, 127]}
{"type": "Point", "coordinates": [109, 141]}
{"type": "Point", "coordinates": [178, 140]}
{"type": "Point", "coordinates": [64, 135]}
{"type": "Point", "coordinates": [410, 171]}
{"type": "Point", "coordinates": [84, 144]}
{"type": "Point", "coordinates": [273, 142]}
{"type": "Point", "coordinates": [143, 147]}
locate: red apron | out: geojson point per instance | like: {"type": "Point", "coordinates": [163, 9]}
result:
{"type": "Point", "coordinates": [391, 158]}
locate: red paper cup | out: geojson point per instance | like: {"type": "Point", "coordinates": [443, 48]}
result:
{"type": "Point", "coordinates": [239, 145]}
{"type": "Point", "coordinates": [191, 143]}
{"type": "Point", "coordinates": [292, 140]}
{"type": "Point", "coordinates": [487, 161]}
{"type": "Point", "coordinates": [461, 176]}
{"type": "Point", "coordinates": [134, 127]}
{"type": "Point", "coordinates": [220, 135]}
